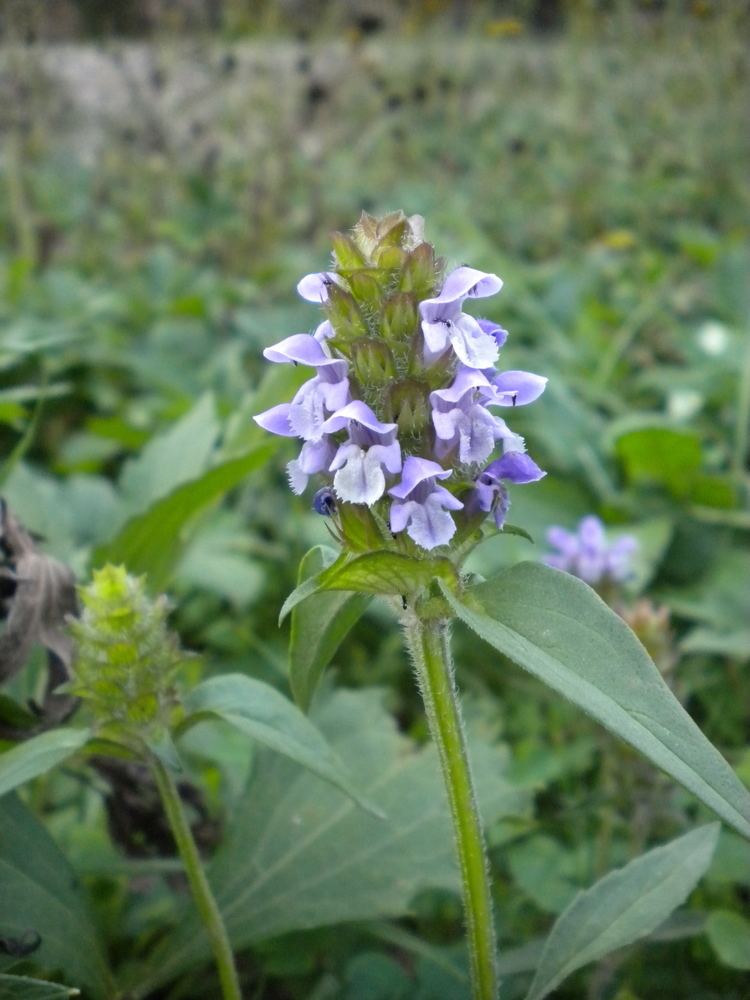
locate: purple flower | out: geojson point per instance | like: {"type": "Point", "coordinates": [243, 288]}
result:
{"type": "Point", "coordinates": [499, 333]}
{"type": "Point", "coordinates": [512, 388]}
{"type": "Point", "coordinates": [421, 506]}
{"type": "Point", "coordinates": [314, 287]}
{"type": "Point", "coordinates": [490, 493]}
{"type": "Point", "coordinates": [460, 419]}
{"type": "Point", "coordinates": [316, 456]}
{"type": "Point", "coordinates": [444, 323]}
{"type": "Point", "coordinates": [327, 392]}
{"type": "Point", "coordinates": [360, 462]}
{"type": "Point", "coordinates": [586, 553]}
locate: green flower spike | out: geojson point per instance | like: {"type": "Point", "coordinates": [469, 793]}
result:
{"type": "Point", "coordinates": [126, 658]}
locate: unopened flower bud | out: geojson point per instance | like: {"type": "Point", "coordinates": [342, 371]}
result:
{"type": "Point", "coordinates": [373, 362]}
{"type": "Point", "coordinates": [344, 315]}
{"type": "Point", "coordinates": [399, 318]}
{"type": "Point", "coordinates": [408, 406]}
{"type": "Point", "coordinates": [348, 256]}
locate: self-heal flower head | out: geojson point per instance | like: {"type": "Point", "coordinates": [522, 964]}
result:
{"type": "Point", "coordinates": [587, 554]}
{"type": "Point", "coordinates": [399, 420]}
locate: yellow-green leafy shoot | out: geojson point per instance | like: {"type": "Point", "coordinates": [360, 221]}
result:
{"type": "Point", "coordinates": [126, 657]}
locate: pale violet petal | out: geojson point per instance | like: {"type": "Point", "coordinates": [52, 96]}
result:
{"type": "Point", "coordinates": [276, 420]}
{"type": "Point", "coordinates": [517, 388]}
{"type": "Point", "coordinates": [435, 336]}
{"type": "Point", "coordinates": [361, 479]}
{"type": "Point", "coordinates": [430, 524]}
{"type": "Point", "coordinates": [299, 349]}
{"type": "Point", "coordinates": [474, 348]}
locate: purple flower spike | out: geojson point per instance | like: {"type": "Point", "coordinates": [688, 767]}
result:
{"type": "Point", "coordinates": [361, 462]}
{"type": "Point", "coordinates": [443, 401]}
{"type": "Point", "coordinates": [490, 493]}
{"type": "Point", "coordinates": [444, 323]}
{"type": "Point", "coordinates": [587, 554]}
{"type": "Point", "coordinates": [421, 506]}
{"type": "Point", "coordinates": [314, 287]}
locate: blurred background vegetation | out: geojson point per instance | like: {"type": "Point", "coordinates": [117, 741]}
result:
{"type": "Point", "coordinates": [170, 168]}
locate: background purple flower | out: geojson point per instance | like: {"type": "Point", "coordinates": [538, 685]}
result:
{"type": "Point", "coordinates": [587, 554]}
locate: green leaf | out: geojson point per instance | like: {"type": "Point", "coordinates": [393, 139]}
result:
{"type": "Point", "coordinates": [318, 627]}
{"type": "Point", "coordinates": [152, 542]}
{"type": "Point", "coordinates": [37, 755]}
{"type": "Point", "coordinates": [47, 900]}
{"type": "Point", "coordinates": [557, 629]}
{"type": "Point", "coordinates": [542, 868]}
{"type": "Point", "coordinates": [374, 573]}
{"type": "Point", "coordinates": [297, 854]}
{"type": "Point", "coordinates": [623, 906]}
{"type": "Point", "coordinates": [661, 456]}
{"type": "Point", "coordinates": [387, 573]}
{"type": "Point", "coordinates": [172, 458]}
{"type": "Point", "coordinates": [729, 936]}
{"type": "Point", "coordinates": [23, 988]}
{"type": "Point", "coordinates": [264, 714]}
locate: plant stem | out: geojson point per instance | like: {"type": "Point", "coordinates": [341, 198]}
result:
{"type": "Point", "coordinates": [202, 894]}
{"type": "Point", "coordinates": [429, 643]}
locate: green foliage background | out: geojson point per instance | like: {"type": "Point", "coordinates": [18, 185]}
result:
{"type": "Point", "coordinates": [154, 227]}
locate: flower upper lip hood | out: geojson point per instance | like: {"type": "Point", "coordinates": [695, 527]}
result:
{"type": "Point", "coordinates": [461, 284]}
{"type": "Point", "coordinates": [300, 349]}
{"type": "Point", "coordinates": [360, 413]}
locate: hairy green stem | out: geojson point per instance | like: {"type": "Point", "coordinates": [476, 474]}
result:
{"type": "Point", "coordinates": [204, 898]}
{"type": "Point", "coordinates": [429, 643]}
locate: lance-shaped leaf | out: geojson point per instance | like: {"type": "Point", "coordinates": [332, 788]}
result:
{"type": "Point", "coordinates": [44, 903]}
{"type": "Point", "coordinates": [318, 627]}
{"type": "Point", "coordinates": [263, 713]}
{"type": "Point", "coordinates": [559, 630]}
{"type": "Point", "coordinates": [37, 755]}
{"type": "Point", "coordinates": [23, 988]}
{"type": "Point", "coordinates": [381, 572]}
{"type": "Point", "coordinates": [152, 542]}
{"type": "Point", "coordinates": [623, 906]}
{"type": "Point", "coordinates": [297, 854]}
